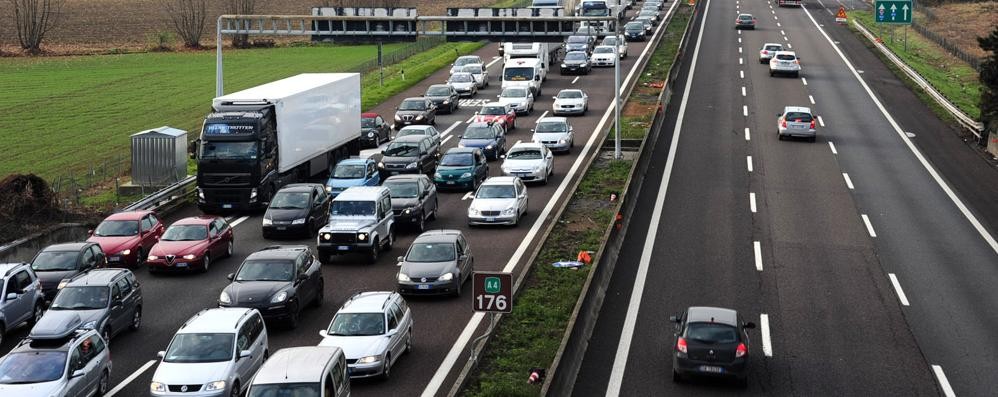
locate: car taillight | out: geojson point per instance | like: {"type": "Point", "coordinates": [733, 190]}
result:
{"type": "Point", "coordinates": [681, 345]}
{"type": "Point", "coordinates": [796, 62]}
{"type": "Point", "coordinates": [741, 351]}
{"type": "Point", "coordinates": [812, 124]}
{"type": "Point", "coordinates": [764, 52]}
{"type": "Point", "coordinates": [784, 123]}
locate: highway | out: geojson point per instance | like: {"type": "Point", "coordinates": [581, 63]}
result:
{"type": "Point", "coordinates": [439, 322]}
{"type": "Point", "coordinates": [866, 258]}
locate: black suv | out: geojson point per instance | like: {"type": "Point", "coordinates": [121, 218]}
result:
{"type": "Point", "coordinates": [415, 111]}
{"type": "Point", "coordinates": [60, 262]}
{"type": "Point", "coordinates": [443, 96]}
{"type": "Point", "coordinates": [412, 154]}
{"type": "Point", "coordinates": [278, 281]}
{"type": "Point", "coordinates": [414, 199]}
{"type": "Point", "coordinates": [300, 208]}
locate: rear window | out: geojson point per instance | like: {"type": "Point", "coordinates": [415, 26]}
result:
{"type": "Point", "coordinates": [785, 57]}
{"type": "Point", "coordinates": [745, 17]}
{"type": "Point", "coordinates": [799, 116]}
{"type": "Point", "coordinates": [711, 333]}
{"type": "Point", "coordinates": [774, 48]}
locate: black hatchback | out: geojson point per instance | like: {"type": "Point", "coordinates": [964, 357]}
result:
{"type": "Point", "coordinates": [278, 281]}
{"type": "Point", "coordinates": [711, 342]}
{"type": "Point", "coordinates": [60, 262]}
{"type": "Point", "coordinates": [298, 208]}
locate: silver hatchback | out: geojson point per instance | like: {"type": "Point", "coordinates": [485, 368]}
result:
{"type": "Point", "coordinates": [796, 121]}
{"type": "Point", "coordinates": [374, 329]}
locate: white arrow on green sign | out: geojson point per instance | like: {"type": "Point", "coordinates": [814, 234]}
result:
{"type": "Point", "coordinates": [887, 11]}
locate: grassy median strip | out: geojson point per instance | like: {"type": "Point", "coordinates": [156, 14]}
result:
{"type": "Point", "coordinates": [531, 334]}
{"type": "Point", "coordinates": [953, 78]}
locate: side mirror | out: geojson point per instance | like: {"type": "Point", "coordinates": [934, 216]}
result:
{"type": "Point", "coordinates": [502, 156]}
{"type": "Point", "coordinates": [476, 113]}
{"type": "Point", "coordinates": [537, 78]}
{"type": "Point", "coordinates": [90, 232]}
{"type": "Point", "coordinates": [674, 319]}
{"type": "Point", "coordinates": [11, 296]}
{"type": "Point", "coordinates": [302, 277]}
{"type": "Point", "coordinates": [245, 353]}
{"type": "Point", "coordinates": [498, 96]}
{"type": "Point", "coordinates": [463, 257]}
{"type": "Point", "coordinates": [78, 373]}
{"type": "Point", "coordinates": [323, 333]}
{"type": "Point", "coordinates": [391, 332]}
{"type": "Point", "coordinates": [230, 276]}
{"type": "Point", "coordinates": [555, 98]}
{"type": "Point", "coordinates": [531, 130]}
{"type": "Point", "coordinates": [161, 354]}
{"type": "Point", "coordinates": [400, 259]}
{"type": "Point", "coordinates": [749, 325]}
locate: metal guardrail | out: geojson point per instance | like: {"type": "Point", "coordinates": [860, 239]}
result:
{"type": "Point", "coordinates": [166, 198]}
{"type": "Point", "coordinates": [965, 121]}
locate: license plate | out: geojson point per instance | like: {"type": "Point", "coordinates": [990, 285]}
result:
{"type": "Point", "coordinates": [522, 174]}
{"type": "Point", "coordinates": [115, 258]}
{"type": "Point", "coordinates": [343, 248]}
{"type": "Point", "coordinates": [711, 369]}
{"type": "Point", "coordinates": [394, 173]}
{"type": "Point", "coordinates": [180, 264]}
{"type": "Point", "coordinates": [490, 219]}
{"type": "Point", "coordinates": [282, 228]}
{"type": "Point", "coordinates": [450, 182]}
{"type": "Point", "coordinates": [227, 206]}
{"type": "Point", "coordinates": [423, 286]}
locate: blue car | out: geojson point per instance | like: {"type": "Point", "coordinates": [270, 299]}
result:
{"type": "Point", "coordinates": [489, 137]}
{"type": "Point", "coordinates": [353, 172]}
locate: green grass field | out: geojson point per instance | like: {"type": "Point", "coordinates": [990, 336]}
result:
{"type": "Point", "coordinates": [61, 114]}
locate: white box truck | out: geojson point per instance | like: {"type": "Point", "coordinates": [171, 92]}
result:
{"type": "Point", "coordinates": [545, 52]}
{"type": "Point", "coordinates": [257, 140]}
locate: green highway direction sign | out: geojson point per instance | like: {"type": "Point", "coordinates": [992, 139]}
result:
{"type": "Point", "coordinates": [893, 11]}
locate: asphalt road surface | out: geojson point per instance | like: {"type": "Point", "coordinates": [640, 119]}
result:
{"type": "Point", "coordinates": [867, 257]}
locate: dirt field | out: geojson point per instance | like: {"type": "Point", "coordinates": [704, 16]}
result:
{"type": "Point", "coordinates": [86, 26]}
{"type": "Point", "coordinates": [963, 23]}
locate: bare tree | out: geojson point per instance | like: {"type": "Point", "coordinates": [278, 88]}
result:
{"type": "Point", "coordinates": [33, 19]}
{"type": "Point", "coordinates": [240, 7]}
{"type": "Point", "coordinates": [188, 18]}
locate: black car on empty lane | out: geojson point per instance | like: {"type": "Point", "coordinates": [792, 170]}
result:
{"type": "Point", "coordinates": [278, 281]}
{"type": "Point", "coordinates": [710, 342]}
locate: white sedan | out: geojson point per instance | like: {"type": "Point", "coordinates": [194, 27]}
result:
{"type": "Point", "coordinates": [500, 200]}
{"type": "Point", "coordinates": [570, 102]}
{"type": "Point", "coordinates": [604, 55]}
{"type": "Point", "coordinates": [519, 98]}
{"type": "Point", "coordinates": [618, 41]}
{"type": "Point", "coordinates": [530, 161]}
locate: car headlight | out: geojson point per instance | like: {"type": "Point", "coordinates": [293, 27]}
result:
{"type": "Point", "coordinates": [253, 193]}
{"type": "Point", "coordinates": [224, 298]}
{"type": "Point", "coordinates": [420, 117]}
{"type": "Point", "coordinates": [370, 135]}
{"type": "Point", "coordinates": [89, 325]}
{"type": "Point", "coordinates": [300, 221]}
{"type": "Point", "coordinates": [564, 65]}
{"type": "Point", "coordinates": [490, 147]}
{"type": "Point", "coordinates": [563, 141]}
{"type": "Point", "coordinates": [327, 236]}
{"type": "Point", "coordinates": [446, 101]}
{"type": "Point", "coordinates": [407, 211]}
{"type": "Point", "coordinates": [329, 189]}
{"type": "Point", "coordinates": [280, 297]}
{"type": "Point", "coordinates": [447, 277]}
{"type": "Point", "coordinates": [63, 283]}
{"type": "Point", "coordinates": [397, 117]}
{"type": "Point", "coordinates": [157, 387]}
{"type": "Point", "coordinates": [473, 212]}
{"type": "Point", "coordinates": [189, 256]}
{"type": "Point", "coordinates": [361, 236]}
{"type": "Point", "coordinates": [381, 164]}
{"type": "Point", "coordinates": [538, 167]}
{"type": "Point", "coordinates": [125, 252]}
{"type": "Point", "coordinates": [367, 360]}
{"type": "Point", "coordinates": [437, 175]}
{"type": "Point", "coordinates": [152, 257]}
{"type": "Point", "coordinates": [411, 165]}
{"type": "Point", "coordinates": [403, 277]}
{"type": "Point", "coordinates": [509, 211]}
{"type": "Point", "coordinates": [268, 221]}
{"type": "Point", "coordinates": [200, 194]}
{"type": "Point", "coordinates": [216, 385]}
{"type": "Point", "coordinates": [466, 175]}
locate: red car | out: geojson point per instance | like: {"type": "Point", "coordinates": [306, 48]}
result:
{"type": "Point", "coordinates": [126, 237]}
{"type": "Point", "coordinates": [191, 243]}
{"type": "Point", "coordinates": [498, 113]}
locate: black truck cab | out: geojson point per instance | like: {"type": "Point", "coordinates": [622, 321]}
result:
{"type": "Point", "coordinates": [237, 160]}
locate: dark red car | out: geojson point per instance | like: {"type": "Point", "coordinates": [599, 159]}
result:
{"type": "Point", "coordinates": [126, 237]}
{"type": "Point", "coordinates": [496, 112]}
{"type": "Point", "coordinates": [191, 243]}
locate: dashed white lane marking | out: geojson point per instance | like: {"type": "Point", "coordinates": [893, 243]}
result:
{"type": "Point", "coordinates": [542, 115]}
{"type": "Point", "coordinates": [943, 382]}
{"type": "Point", "coordinates": [741, 60]}
{"type": "Point", "coordinates": [517, 142]}
{"type": "Point", "coordinates": [767, 342]}
{"type": "Point", "coordinates": [748, 137]}
{"type": "Point", "coordinates": [739, 32]}
{"type": "Point", "coordinates": [470, 119]}
{"type": "Point", "coordinates": [446, 139]}
{"type": "Point", "coordinates": [786, 39]}
{"type": "Point", "coordinates": [778, 25]}
{"type": "Point", "coordinates": [783, 33]}
{"type": "Point", "coordinates": [741, 73]}
{"type": "Point", "coordinates": [811, 98]}
{"type": "Point", "coordinates": [869, 226]}
{"type": "Point", "coordinates": [748, 162]}
{"type": "Point", "coordinates": [743, 91]}
{"type": "Point", "coordinates": [757, 247]}
{"type": "Point", "coordinates": [489, 65]}
{"type": "Point", "coordinates": [739, 49]}
{"type": "Point", "coordinates": [751, 199]}
{"type": "Point", "coordinates": [821, 121]}
{"type": "Point", "coordinates": [832, 146]}
{"type": "Point", "coordinates": [745, 110]}
{"type": "Point", "coordinates": [897, 288]}
{"type": "Point", "coordinates": [773, 11]}
{"type": "Point", "coordinates": [468, 196]}
{"type": "Point", "coordinates": [575, 79]}
{"type": "Point", "coordinates": [238, 221]}
{"type": "Point", "coordinates": [775, 17]}
{"type": "Point", "coordinates": [739, 40]}
{"type": "Point", "coordinates": [130, 378]}
{"type": "Point", "coordinates": [451, 128]}
{"type": "Point", "coordinates": [790, 46]}
{"type": "Point", "coordinates": [804, 80]}
{"type": "Point", "coordinates": [848, 181]}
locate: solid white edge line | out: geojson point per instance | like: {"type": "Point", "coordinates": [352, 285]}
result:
{"type": "Point", "coordinates": [751, 198]}
{"type": "Point", "coordinates": [748, 161]}
{"type": "Point", "coordinates": [460, 345]}
{"type": "Point", "coordinates": [470, 119]}
{"type": "Point", "coordinates": [745, 110]}
{"type": "Point", "coordinates": [446, 139]}
{"type": "Point", "coordinates": [869, 226]}
{"type": "Point", "coordinates": [832, 146]}
{"type": "Point", "coordinates": [517, 142]}
{"type": "Point", "coordinates": [848, 181]}
{"type": "Point", "coordinates": [757, 248]}
{"type": "Point", "coordinates": [767, 342]}
{"type": "Point", "coordinates": [988, 238]}
{"type": "Point", "coordinates": [631, 319]}
{"type": "Point", "coordinates": [238, 221]}
{"type": "Point", "coordinates": [821, 121]}
{"type": "Point", "coordinates": [131, 378]}
{"type": "Point", "coordinates": [943, 382]}
{"type": "Point", "coordinates": [897, 288]}
{"type": "Point", "coordinates": [451, 128]}
{"type": "Point", "coordinates": [748, 136]}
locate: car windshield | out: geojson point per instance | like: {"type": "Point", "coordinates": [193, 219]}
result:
{"type": "Point", "coordinates": [285, 390]}
{"type": "Point", "coordinates": [711, 333]}
{"type": "Point", "coordinates": [578, 39]}
{"type": "Point", "coordinates": [367, 122]}
{"type": "Point", "coordinates": [524, 154]}
{"type": "Point", "coordinates": [514, 93]}
{"type": "Point", "coordinates": [266, 270]}
{"type": "Point", "coordinates": [634, 26]}
{"type": "Point", "coordinates": [290, 201]}
{"type": "Point", "coordinates": [32, 367]}
{"type": "Point", "coordinates": [438, 91]}
{"type": "Point", "coordinates": [357, 324]}
{"type": "Point", "coordinates": [185, 233]}
{"type": "Point", "coordinates": [785, 57]}
{"type": "Point", "coordinates": [648, 13]}
{"type": "Point", "coordinates": [496, 191]}
{"type": "Point", "coordinates": [799, 117]}
{"type": "Point", "coordinates": [80, 298]}
{"type": "Point", "coordinates": [352, 208]}
{"type": "Point", "coordinates": [575, 56]}
{"type": "Point", "coordinates": [457, 160]}
{"type": "Point", "coordinates": [479, 133]}
{"type": "Point", "coordinates": [47, 261]}
{"type": "Point", "coordinates": [413, 105]}
{"type": "Point", "coordinates": [349, 171]}
{"type": "Point", "coordinates": [465, 61]}
{"type": "Point", "coordinates": [603, 50]}
{"type": "Point", "coordinates": [569, 95]}
{"type": "Point", "coordinates": [551, 127]}
{"type": "Point", "coordinates": [117, 228]}
{"type": "Point", "coordinates": [610, 41]}
{"type": "Point", "coordinates": [431, 252]}
{"type": "Point", "coordinates": [200, 348]}
{"type": "Point", "coordinates": [461, 78]}
{"type": "Point", "coordinates": [402, 189]}
{"type": "Point", "coordinates": [595, 12]}
{"type": "Point", "coordinates": [410, 131]}
{"type": "Point", "coordinates": [402, 149]}
{"type": "Point", "coordinates": [493, 110]}
{"type": "Point", "coordinates": [228, 150]}
{"type": "Point", "coordinates": [473, 69]}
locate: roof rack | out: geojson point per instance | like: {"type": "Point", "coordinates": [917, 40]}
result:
{"type": "Point", "coordinates": [195, 316]}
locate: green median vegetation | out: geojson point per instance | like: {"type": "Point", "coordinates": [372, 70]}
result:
{"type": "Point", "coordinates": [531, 335]}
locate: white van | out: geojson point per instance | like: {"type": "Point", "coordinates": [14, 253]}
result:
{"type": "Point", "coordinates": [303, 371]}
{"type": "Point", "coordinates": [524, 72]}
{"type": "Point", "coordinates": [541, 51]}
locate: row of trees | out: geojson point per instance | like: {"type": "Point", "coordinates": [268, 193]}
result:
{"type": "Point", "coordinates": [989, 79]}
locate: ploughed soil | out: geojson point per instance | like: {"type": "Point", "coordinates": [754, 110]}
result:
{"type": "Point", "coordinates": [28, 205]}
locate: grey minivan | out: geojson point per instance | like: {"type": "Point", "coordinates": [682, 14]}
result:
{"type": "Point", "coordinates": [22, 301]}
{"type": "Point", "coordinates": [106, 300]}
{"type": "Point", "coordinates": [317, 371]}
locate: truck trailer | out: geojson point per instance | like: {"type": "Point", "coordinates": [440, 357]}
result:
{"type": "Point", "coordinates": [257, 140]}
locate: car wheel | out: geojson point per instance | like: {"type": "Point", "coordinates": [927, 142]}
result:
{"type": "Point", "coordinates": [391, 239]}
{"type": "Point", "coordinates": [36, 314]}
{"type": "Point", "coordinates": [387, 371]}
{"type": "Point", "coordinates": [136, 319]}
{"type": "Point", "coordinates": [320, 295]}
{"type": "Point", "coordinates": [779, 136]}
{"type": "Point", "coordinates": [140, 257]}
{"type": "Point", "coordinates": [228, 249]}
{"type": "Point", "coordinates": [421, 226]}
{"type": "Point", "coordinates": [235, 390]}
{"type": "Point", "coordinates": [457, 288]}
{"type": "Point", "coordinates": [294, 317]}
{"type": "Point", "coordinates": [106, 334]}
{"type": "Point", "coordinates": [2, 333]}
{"type": "Point", "coordinates": [206, 263]}
{"type": "Point", "coordinates": [103, 385]}
{"type": "Point", "coordinates": [813, 139]}
{"type": "Point", "coordinates": [408, 342]}
{"type": "Point", "coordinates": [375, 251]}
{"type": "Point", "coordinates": [512, 125]}
{"type": "Point", "coordinates": [676, 377]}
{"type": "Point", "coordinates": [436, 207]}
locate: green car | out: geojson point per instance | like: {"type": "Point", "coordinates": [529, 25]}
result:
{"type": "Point", "coordinates": [461, 168]}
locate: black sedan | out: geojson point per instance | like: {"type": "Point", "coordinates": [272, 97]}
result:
{"type": "Point", "coordinates": [575, 62]}
{"type": "Point", "coordinates": [59, 262]}
{"type": "Point", "coordinates": [299, 208]}
{"type": "Point", "coordinates": [278, 281]}
{"type": "Point", "coordinates": [711, 342]}
{"type": "Point", "coordinates": [414, 199]}
{"type": "Point", "coordinates": [444, 97]}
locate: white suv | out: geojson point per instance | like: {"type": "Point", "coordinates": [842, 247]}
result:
{"type": "Point", "coordinates": [374, 329]}
{"type": "Point", "coordinates": [216, 351]}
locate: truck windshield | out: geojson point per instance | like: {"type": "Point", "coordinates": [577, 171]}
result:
{"type": "Point", "coordinates": [402, 149]}
{"type": "Point", "coordinates": [228, 150]}
{"type": "Point", "coordinates": [518, 74]}
{"type": "Point", "coordinates": [596, 11]}
{"type": "Point", "coordinates": [352, 208]}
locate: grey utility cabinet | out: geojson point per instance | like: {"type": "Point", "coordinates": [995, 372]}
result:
{"type": "Point", "coordinates": [159, 156]}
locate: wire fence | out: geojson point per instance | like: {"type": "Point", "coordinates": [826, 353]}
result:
{"type": "Point", "coordinates": [953, 49]}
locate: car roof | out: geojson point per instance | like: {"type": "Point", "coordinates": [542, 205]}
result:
{"type": "Point", "coordinates": [553, 119]}
{"type": "Point", "coordinates": [527, 145]}
{"type": "Point", "coordinates": [67, 246]}
{"type": "Point", "coordinates": [98, 277]}
{"type": "Point", "coordinates": [196, 220]}
{"type": "Point", "coordinates": [364, 193]}
{"type": "Point", "coordinates": [417, 127]}
{"type": "Point", "coordinates": [439, 86]}
{"type": "Point", "coordinates": [457, 150]}
{"type": "Point", "coordinates": [706, 314]}
{"type": "Point", "coordinates": [797, 109]}
{"type": "Point", "coordinates": [410, 138]}
{"type": "Point", "coordinates": [127, 216]}
{"type": "Point", "coordinates": [438, 236]}
{"type": "Point", "coordinates": [457, 73]}
{"type": "Point", "coordinates": [606, 46]}
{"type": "Point", "coordinates": [787, 53]}
{"type": "Point", "coordinates": [278, 252]}
{"type": "Point", "coordinates": [352, 160]}
{"type": "Point", "coordinates": [415, 98]}
{"type": "Point", "coordinates": [215, 320]}
{"type": "Point", "coordinates": [500, 180]}
{"type": "Point", "coordinates": [369, 115]}
{"type": "Point", "coordinates": [301, 187]}
{"type": "Point", "coordinates": [6, 267]}
{"type": "Point", "coordinates": [405, 177]}
{"type": "Point", "coordinates": [304, 364]}
{"type": "Point", "coordinates": [769, 44]}
{"type": "Point", "coordinates": [469, 56]}
{"type": "Point", "coordinates": [366, 302]}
